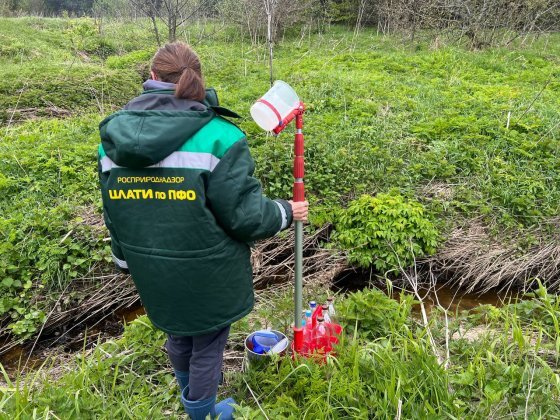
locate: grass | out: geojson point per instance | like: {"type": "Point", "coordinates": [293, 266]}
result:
{"type": "Point", "coordinates": [60, 72]}
{"type": "Point", "coordinates": [503, 362]}
{"type": "Point", "coordinates": [382, 117]}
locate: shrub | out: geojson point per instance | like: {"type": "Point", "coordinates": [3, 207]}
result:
{"type": "Point", "coordinates": [82, 35]}
{"type": "Point", "coordinates": [388, 231]}
{"type": "Point", "coordinates": [374, 313]}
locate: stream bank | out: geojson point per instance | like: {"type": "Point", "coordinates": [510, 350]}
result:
{"type": "Point", "coordinates": [31, 355]}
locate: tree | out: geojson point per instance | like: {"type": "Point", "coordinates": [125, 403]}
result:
{"type": "Point", "coordinates": [270, 10]}
{"type": "Point", "coordinates": [73, 7]}
{"type": "Point", "coordinates": [267, 19]}
{"type": "Point", "coordinates": [173, 13]}
{"type": "Point", "coordinates": [151, 9]}
{"type": "Point", "coordinates": [102, 9]}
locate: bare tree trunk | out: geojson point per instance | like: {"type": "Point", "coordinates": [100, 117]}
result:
{"type": "Point", "coordinates": [269, 8]}
{"type": "Point", "coordinates": [100, 25]}
{"type": "Point", "coordinates": [270, 52]}
{"type": "Point", "coordinates": [172, 13]}
{"type": "Point", "coordinates": [361, 8]}
{"type": "Point", "coordinates": [172, 26]}
{"type": "Point", "coordinates": [156, 31]}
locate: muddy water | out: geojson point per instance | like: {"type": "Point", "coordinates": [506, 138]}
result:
{"type": "Point", "coordinates": [449, 297]}
{"type": "Point", "coordinates": [130, 314]}
{"type": "Point", "coordinates": [456, 300]}
{"type": "Point", "coordinates": [30, 356]}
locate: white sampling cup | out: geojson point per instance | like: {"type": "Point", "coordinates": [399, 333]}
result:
{"type": "Point", "coordinates": [275, 105]}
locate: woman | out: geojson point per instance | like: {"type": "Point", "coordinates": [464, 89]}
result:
{"type": "Point", "coordinates": [182, 207]}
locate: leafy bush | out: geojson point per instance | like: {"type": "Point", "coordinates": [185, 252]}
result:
{"type": "Point", "coordinates": [83, 35]}
{"type": "Point", "coordinates": [374, 313]}
{"type": "Point", "coordinates": [388, 231]}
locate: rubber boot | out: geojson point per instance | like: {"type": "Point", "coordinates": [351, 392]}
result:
{"type": "Point", "coordinates": [182, 379]}
{"type": "Point", "coordinates": [224, 409]}
{"type": "Point", "coordinates": [198, 410]}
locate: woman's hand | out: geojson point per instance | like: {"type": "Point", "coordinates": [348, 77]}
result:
{"type": "Point", "coordinates": [299, 209]}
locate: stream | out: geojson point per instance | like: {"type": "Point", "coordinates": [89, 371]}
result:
{"type": "Point", "coordinates": [32, 355]}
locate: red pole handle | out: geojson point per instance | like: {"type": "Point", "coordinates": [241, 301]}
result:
{"type": "Point", "coordinates": [299, 163]}
{"type": "Point", "coordinates": [299, 195]}
{"type": "Point", "coordinates": [298, 339]}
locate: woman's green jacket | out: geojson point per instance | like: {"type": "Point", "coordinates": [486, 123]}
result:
{"type": "Point", "coordinates": [182, 207]}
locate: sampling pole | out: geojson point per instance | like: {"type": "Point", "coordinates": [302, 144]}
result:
{"type": "Point", "coordinates": [298, 195]}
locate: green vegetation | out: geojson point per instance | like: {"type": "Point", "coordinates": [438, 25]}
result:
{"type": "Point", "coordinates": [48, 185]}
{"type": "Point", "coordinates": [403, 144]}
{"type": "Point", "coordinates": [55, 67]}
{"type": "Point", "coordinates": [457, 134]}
{"type": "Point", "coordinates": [503, 362]}
{"type": "Point", "coordinates": [499, 372]}
{"type": "Point", "coordinates": [385, 231]}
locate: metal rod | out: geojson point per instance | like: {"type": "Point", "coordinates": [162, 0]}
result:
{"type": "Point", "coordinates": [299, 195]}
{"type": "Point", "coordinates": [298, 273]}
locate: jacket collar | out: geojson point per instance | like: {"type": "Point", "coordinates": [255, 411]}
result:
{"type": "Point", "coordinates": [157, 85]}
{"type": "Point", "coordinates": [211, 99]}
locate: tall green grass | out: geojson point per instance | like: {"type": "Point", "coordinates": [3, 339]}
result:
{"type": "Point", "coordinates": [430, 124]}
{"type": "Point", "coordinates": [503, 363]}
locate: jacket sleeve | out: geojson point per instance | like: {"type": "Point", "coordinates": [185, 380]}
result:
{"type": "Point", "coordinates": [236, 199]}
{"type": "Point", "coordinates": [116, 251]}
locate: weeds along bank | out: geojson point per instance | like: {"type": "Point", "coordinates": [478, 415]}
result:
{"type": "Point", "coordinates": [493, 363]}
{"type": "Point", "coordinates": [448, 139]}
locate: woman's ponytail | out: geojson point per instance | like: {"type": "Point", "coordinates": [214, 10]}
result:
{"type": "Point", "coordinates": [177, 63]}
{"type": "Point", "coordinates": [190, 86]}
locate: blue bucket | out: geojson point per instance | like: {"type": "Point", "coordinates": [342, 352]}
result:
{"type": "Point", "coordinates": [263, 340]}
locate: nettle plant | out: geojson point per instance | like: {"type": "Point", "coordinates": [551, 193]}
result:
{"type": "Point", "coordinates": [387, 231]}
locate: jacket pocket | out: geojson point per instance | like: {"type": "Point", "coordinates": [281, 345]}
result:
{"type": "Point", "coordinates": [198, 253]}
{"type": "Point", "coordinates": [197, 292]}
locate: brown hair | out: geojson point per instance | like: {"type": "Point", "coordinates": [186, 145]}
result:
{"type": "Point", "coordinates": [178, 63]}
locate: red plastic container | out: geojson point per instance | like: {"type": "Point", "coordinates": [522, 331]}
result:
{"type": "Point", "coordinates": [309, 349]}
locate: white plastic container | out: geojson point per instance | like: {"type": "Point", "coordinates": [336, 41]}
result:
{"type": "Point", "coordinates": [275, 105]}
